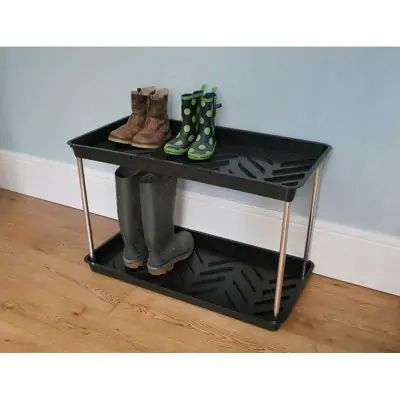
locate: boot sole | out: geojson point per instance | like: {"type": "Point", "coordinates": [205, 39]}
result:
{"type": "Point", "coordinates": [147, 146]}
{"type": "Point", "coordinates": [120, 141]}
{"type": "Point", "coordinates": [134, 264]}
{"type": "Point", "coordinates": [151, 146]}
{"type": "Point", "coordinates": [172, 152]}
{"type": "Point", "coordinates": [157, 271]}
{"type": "Point", "coordinates": [201, 157]}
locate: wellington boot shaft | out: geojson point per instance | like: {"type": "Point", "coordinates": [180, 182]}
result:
{"type": "Point", "coordinates": [127, 182]}
{"type": "Point", "coordinates": [204, 146]}
{"type": "Point", "coordinates": [190, 123]}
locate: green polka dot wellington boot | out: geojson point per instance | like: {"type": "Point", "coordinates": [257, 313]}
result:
{"type": "Point", "coordinates": [190, 122]}
{"type": "Point", "coordinates": [204, 146]}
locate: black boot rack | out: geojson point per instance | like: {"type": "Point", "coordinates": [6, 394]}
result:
{"type": "Point", "coordinates": [255, 285]}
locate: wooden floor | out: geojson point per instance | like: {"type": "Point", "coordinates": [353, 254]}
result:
{"type": "Point", "coordinates": [50, 301]}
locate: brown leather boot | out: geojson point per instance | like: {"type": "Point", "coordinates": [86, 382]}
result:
{"type": "Point", "coordinates": [156, 127]}
{"type": "Point", "coordinates": [125, 133]}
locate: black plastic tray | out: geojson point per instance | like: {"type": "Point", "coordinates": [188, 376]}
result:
{"type": "Point", "coordinates": [263, 164]}
{"type": "Point", "coordinates": [228, 277]}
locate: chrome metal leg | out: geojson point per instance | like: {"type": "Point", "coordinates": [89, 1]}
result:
{"type": "Point", "coordinates": [311, 220]}
{"type": "Point", "coordinates": [282, 258]}
{"type": "Point", "coordinates": [85, 206]}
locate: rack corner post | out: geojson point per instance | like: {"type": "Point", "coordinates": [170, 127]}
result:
{"type": "Point", "coordinates": [311, 220]}
{"type": "Point", "coordinates": [282, 258]}
{"type": "Point", "coordinates": [85, 206]}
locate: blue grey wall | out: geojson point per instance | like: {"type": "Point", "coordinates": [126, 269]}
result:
{"type": "Point", "coordinates": [343, 96]}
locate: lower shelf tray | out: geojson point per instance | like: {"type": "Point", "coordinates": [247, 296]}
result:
{"type": "Point", "coordinates": [228, 277]}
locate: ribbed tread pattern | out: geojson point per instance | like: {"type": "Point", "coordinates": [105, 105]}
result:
{"type": "Point", "coordinates": [232, 283]}
{"type": "Point", "coordinates": [237, 277]}
{"type": "Point", "coordinates": [262, 166]}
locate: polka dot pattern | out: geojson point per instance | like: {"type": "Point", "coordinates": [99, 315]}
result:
{"type": "Point", "coordinates": [196, 137]}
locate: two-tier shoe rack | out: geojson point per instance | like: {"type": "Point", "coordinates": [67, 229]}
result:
{"type": "Point", "coordinates": [249, 283]}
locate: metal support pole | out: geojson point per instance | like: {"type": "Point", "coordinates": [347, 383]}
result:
{"type": "Point", "coordinates": [282, 259]}
{"type": "Point", "coordinates": [85, 206]}
{"type": "Point", "coordinates": [311, 220]}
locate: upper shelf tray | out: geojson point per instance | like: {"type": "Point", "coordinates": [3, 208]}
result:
{"type": "Point", "coordinates": [263, 164]}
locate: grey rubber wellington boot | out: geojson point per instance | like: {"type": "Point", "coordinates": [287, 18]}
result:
{"type": "Point", "coordinates": [165, 247]}
{"type": "Point", "coordinates": [127, 182]}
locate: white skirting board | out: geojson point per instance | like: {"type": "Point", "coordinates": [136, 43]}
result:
{"type": "Point", "coordinates": [362, 257]}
